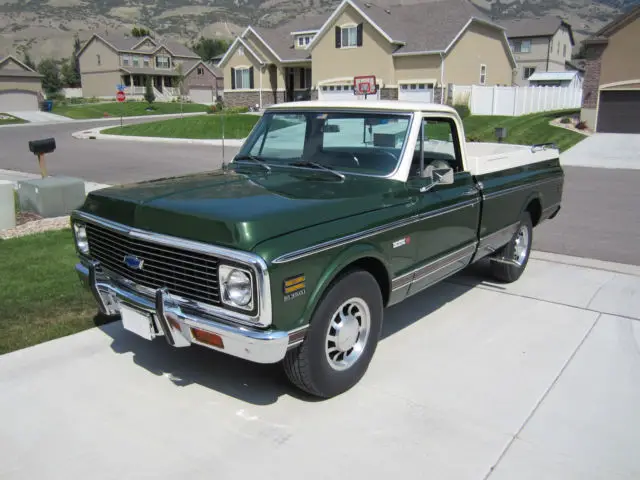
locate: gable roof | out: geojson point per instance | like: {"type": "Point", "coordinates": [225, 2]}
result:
{"type": "Point", "coordinates": [189, 65]}
{"type": "Point", "coordinates": [124, 43]}
{"type": "Point", "coordinates": [618, 23]}
{"type": "Point", "coordinates": [535, 27]}
{"type": "Point", "coordinates": [423, 28]}
{"type": "Point", "coordinates": [26, 72]}
{"type": "Point", "coordinates": [232, 48]}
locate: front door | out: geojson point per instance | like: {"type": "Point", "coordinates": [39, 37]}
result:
{"type": "Point", "coordinates": [448, 214]}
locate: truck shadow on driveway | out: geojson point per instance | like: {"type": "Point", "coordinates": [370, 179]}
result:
{"type": "Point", "coordinates": [259, 384]}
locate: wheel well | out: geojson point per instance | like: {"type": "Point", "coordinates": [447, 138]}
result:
{"type": "Point", "coordinates": [376, 268]}
{"type": "Point", "coordinates": [535, 210]}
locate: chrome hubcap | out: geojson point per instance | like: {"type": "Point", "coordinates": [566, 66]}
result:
{"type": "Point", "coordinates": [347, 333]}
{"type": "Point", "coordinates": [521, 245]}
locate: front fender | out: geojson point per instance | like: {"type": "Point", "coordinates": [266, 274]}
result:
{"type": "Point", "coordinates": [338, 264]}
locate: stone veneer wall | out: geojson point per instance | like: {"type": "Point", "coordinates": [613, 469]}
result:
{"type": "Point", "coordinates": [249, 98]}
{"type": "Point", "coordinates": [388, 94]}
{"type": "Point", "coordinates": [591, 81]}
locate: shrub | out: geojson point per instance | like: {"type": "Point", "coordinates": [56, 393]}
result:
{"type": "Point", "coordinates": [237, 109]}
{"type": "Point", "coordinates": [582, 125]}
{"type": "Point", "coordinates": [463, 110]}
{"type": "Point", "coordinates": [212, 109]}
{"type": "Point", "coordinates": [565, 120]}
{"type": "Point", "coordinates": [149, 96]}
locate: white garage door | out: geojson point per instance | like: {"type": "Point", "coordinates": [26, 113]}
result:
{"type": "Point", "coordinates": [416, 92]}
{"type": "Point", "coordinates": [342, 93]}
{"type": "Point", "coordinates": [202, 95]}
{"type": "Point", "coordinates": [18, 100]}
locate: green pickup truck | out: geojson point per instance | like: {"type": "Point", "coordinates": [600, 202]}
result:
{"type": "Point", "coordinates": [330, 212]}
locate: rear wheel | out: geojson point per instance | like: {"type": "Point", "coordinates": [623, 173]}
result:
{"type": "Point", "coordinates": [341, 339]}
{"type": "Point", "coordinates": [516, 253]}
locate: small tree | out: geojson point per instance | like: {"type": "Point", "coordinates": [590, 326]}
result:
{"type": "Point", "coordinates": [179, 81]}
{"type": "Point", "coordinates": [51, 82]}
{"type": "Point", "coordinates": [70, 78]}
{"type": "Point", "coordinates": [139, 32]}
{"type": "Point", "coordinates": [28, 61]}
{"type": "Point", "coordinates": [149, 96]}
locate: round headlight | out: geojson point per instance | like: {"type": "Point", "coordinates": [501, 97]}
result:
{"type": "Point", "coordinates": [238, 287]}
{"type": "Point", "coordinates": [82, 242]}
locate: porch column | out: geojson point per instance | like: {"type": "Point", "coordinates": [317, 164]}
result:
{"type": "Point", "coordinates": [133, 86]}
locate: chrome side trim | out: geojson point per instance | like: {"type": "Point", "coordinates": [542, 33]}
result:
{"type": "Point", "coordinates": [455, 260]}
{"type": "Point", "coordinates": [433, 267]}
{"type": "Point", "coordinates": [506, 191]}
{"type": "Point", "coordinates": [338, 242]}
{"type": "Point", "coordinates": [490, 243]}
{"type": "Point", "coordinates": [256, 263]}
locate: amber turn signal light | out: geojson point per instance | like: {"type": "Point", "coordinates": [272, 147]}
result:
{"type": "Point", "coordinates": [208, 338]}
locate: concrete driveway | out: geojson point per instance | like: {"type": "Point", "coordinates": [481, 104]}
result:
{"type": "Point", "coordinates": [605, 150]}
{"type": "Point", "coordinates": [36, 116]}
{"type": "Point", "coordinates": [472, 380]}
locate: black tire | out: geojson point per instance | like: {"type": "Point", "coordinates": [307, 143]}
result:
{"type": "Point", "coordinates": [510, 272]}
{"type": "Point", "coordinates": [307, 366]}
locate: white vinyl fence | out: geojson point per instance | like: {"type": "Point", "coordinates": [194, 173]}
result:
{"type": "Point", "coordinates": [72, 92]}
{"type": "Point", "coordinates": [514, 101]}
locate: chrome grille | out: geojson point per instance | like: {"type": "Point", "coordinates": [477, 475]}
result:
{"type": "Point", "coordinates": [189, 274]}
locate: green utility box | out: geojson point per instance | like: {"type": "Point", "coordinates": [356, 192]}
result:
{"type": "Point", "coordinates": [51, 196]}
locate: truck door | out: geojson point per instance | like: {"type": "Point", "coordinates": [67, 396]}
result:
{"type": "Point", "coordinates": [448, 214]}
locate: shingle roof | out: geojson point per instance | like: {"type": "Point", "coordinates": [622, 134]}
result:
{"type": "Point", "coordinates": [532, 27]}
{"type": "Point", "coordinates": [149, 71]}
{"type": "Point", "coordinates": [19, 73]}
{"type": "Point", "coordinates": [281, 41]}
{"type": "Point", "coordinates": [425, 26]}
{"type": "Point", "coordinates": [301, 24]}
{"type": "Point", "coordinates": [126, 43]}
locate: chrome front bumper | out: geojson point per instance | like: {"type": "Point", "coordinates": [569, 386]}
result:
{"type": "Point", "coordinates": [260, 346]}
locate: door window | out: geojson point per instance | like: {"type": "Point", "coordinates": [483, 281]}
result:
{"type": "Point", "coordinates": [439, 146]}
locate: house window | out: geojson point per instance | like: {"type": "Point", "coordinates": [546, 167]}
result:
{"type": "Point", "coordinates": [483, 74]}
{"type": "Point", "coordinates": [126, 60]}
{"type": "Point", "coordinates": [305, 78]}
{"type": "Point", "coordinates": [527, 72]}
{"type": "Point", "coordinates": [349, 36]}
{"type": "Point", "coordinates": [136, 61]}
{"type": "Point", "coordinates": [163, 61]}
{"type": "Point", "coordinates": [146, 61]}
{"type": "Point", "coordinates": [242, 78]}
{"type": "Point", "coordinates": [200, 71]}
{"type": "Point", "coordinates": [304, 40]}
{"type": "Point", "coordinates": [99, 59]}
{"type": "Point", "coordinates": [521, 46]}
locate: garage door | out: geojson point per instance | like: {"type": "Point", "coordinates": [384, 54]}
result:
{"type": "Point", "coordinates": [202, 95]}
{"type": "Point", "coordinates": [18, 100]}
{"type": "Point", "coordinates": [416, 92]}
{"type": "Point", "coordinates": [342, 93]}
{"type": "Point", "coordinates": [619, 111]}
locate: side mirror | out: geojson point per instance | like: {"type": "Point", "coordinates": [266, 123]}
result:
{"type": "Point", "coordinates": [442, 176]}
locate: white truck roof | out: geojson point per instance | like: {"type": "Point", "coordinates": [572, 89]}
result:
{"type": "Point", "coordinates": [362, 104]}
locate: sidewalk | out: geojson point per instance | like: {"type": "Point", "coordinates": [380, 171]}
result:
{"type": "Point", "coordinates": [104, 119]}
{"type": "Point", "coordinates": [472, 380]}
{"type": "Point", "coordinates": [95, 134]}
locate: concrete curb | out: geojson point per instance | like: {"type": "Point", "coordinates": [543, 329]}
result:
{"type": "Point", "coordinates": [586, 263]}
{"type": "Point", "coordinates": [95, 134]}
{"type": "Point", "coordinates": [104, 119]}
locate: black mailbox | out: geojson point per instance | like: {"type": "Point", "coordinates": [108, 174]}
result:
{"type": "Point", "coordinates": [40, 147]}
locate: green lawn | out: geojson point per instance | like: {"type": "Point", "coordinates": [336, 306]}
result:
{"type": "Point", "coordinates": [524, 130]}
{"type": "Point", "coordinates": [199, 127]}
{"type": "Point", "coordinates": [126, 109]}
{"type": "Point", "coordinates": [40, 295]}
{"type": "Point", "coordinates": [10, 120]}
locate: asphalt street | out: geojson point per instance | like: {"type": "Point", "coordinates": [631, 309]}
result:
{"type": "Point", "coordinates": [600, 216]}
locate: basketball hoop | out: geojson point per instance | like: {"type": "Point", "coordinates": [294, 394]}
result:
{"type": "Point", "coordinates": [364, 85]}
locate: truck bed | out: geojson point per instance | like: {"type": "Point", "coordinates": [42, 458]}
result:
{"type": "Point", "coordinates": [483, 158]}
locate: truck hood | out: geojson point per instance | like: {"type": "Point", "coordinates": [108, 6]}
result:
{"type": "Point", "coordinates": [240, 210]}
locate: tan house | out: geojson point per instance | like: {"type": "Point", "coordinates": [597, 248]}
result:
{"type": "Point", "coordinates": [611, 93]}
{"type": "Point", "coordinates": [20, 86]}
{"type": "Point", "coordinates": [414, 51]}
{"type": "Point", "coordinates": [108, 60]}
{"type": "Point", "coordinates": [540, 45]}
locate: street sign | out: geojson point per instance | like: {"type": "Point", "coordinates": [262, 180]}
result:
{"type": "Point", "coordinates": [120, 86]}
{"type": "Point", "coordinates": [120, 96]}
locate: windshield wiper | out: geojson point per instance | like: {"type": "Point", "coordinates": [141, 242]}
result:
{"type": "Point", "coordinates": [317, 165]}
{"type": "Point", "coordinates": [256, 160]}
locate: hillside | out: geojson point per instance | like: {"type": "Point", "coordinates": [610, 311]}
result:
{"type": "Point", "coordinates": [46, 27]}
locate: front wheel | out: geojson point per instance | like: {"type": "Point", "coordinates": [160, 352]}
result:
{"type": "Point", "coordinates": [511, 260]}
{"type": "Point", "coordinates": [341, 339]}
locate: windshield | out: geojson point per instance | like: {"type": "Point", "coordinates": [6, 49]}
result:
{"type": "Point", "coordinates": [349, 142]}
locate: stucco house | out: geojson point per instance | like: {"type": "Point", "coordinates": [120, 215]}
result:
{"type": "Point", "coordinates": [108, 60]}
{"type": "Point", "coordinates": [540, 45]}
{"type": "Point", "coordinates": [20, 86]}
{"type": "Point", "coordinates": [611, 94]}
{"type": "Point", "coordinates": [414, 51]}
